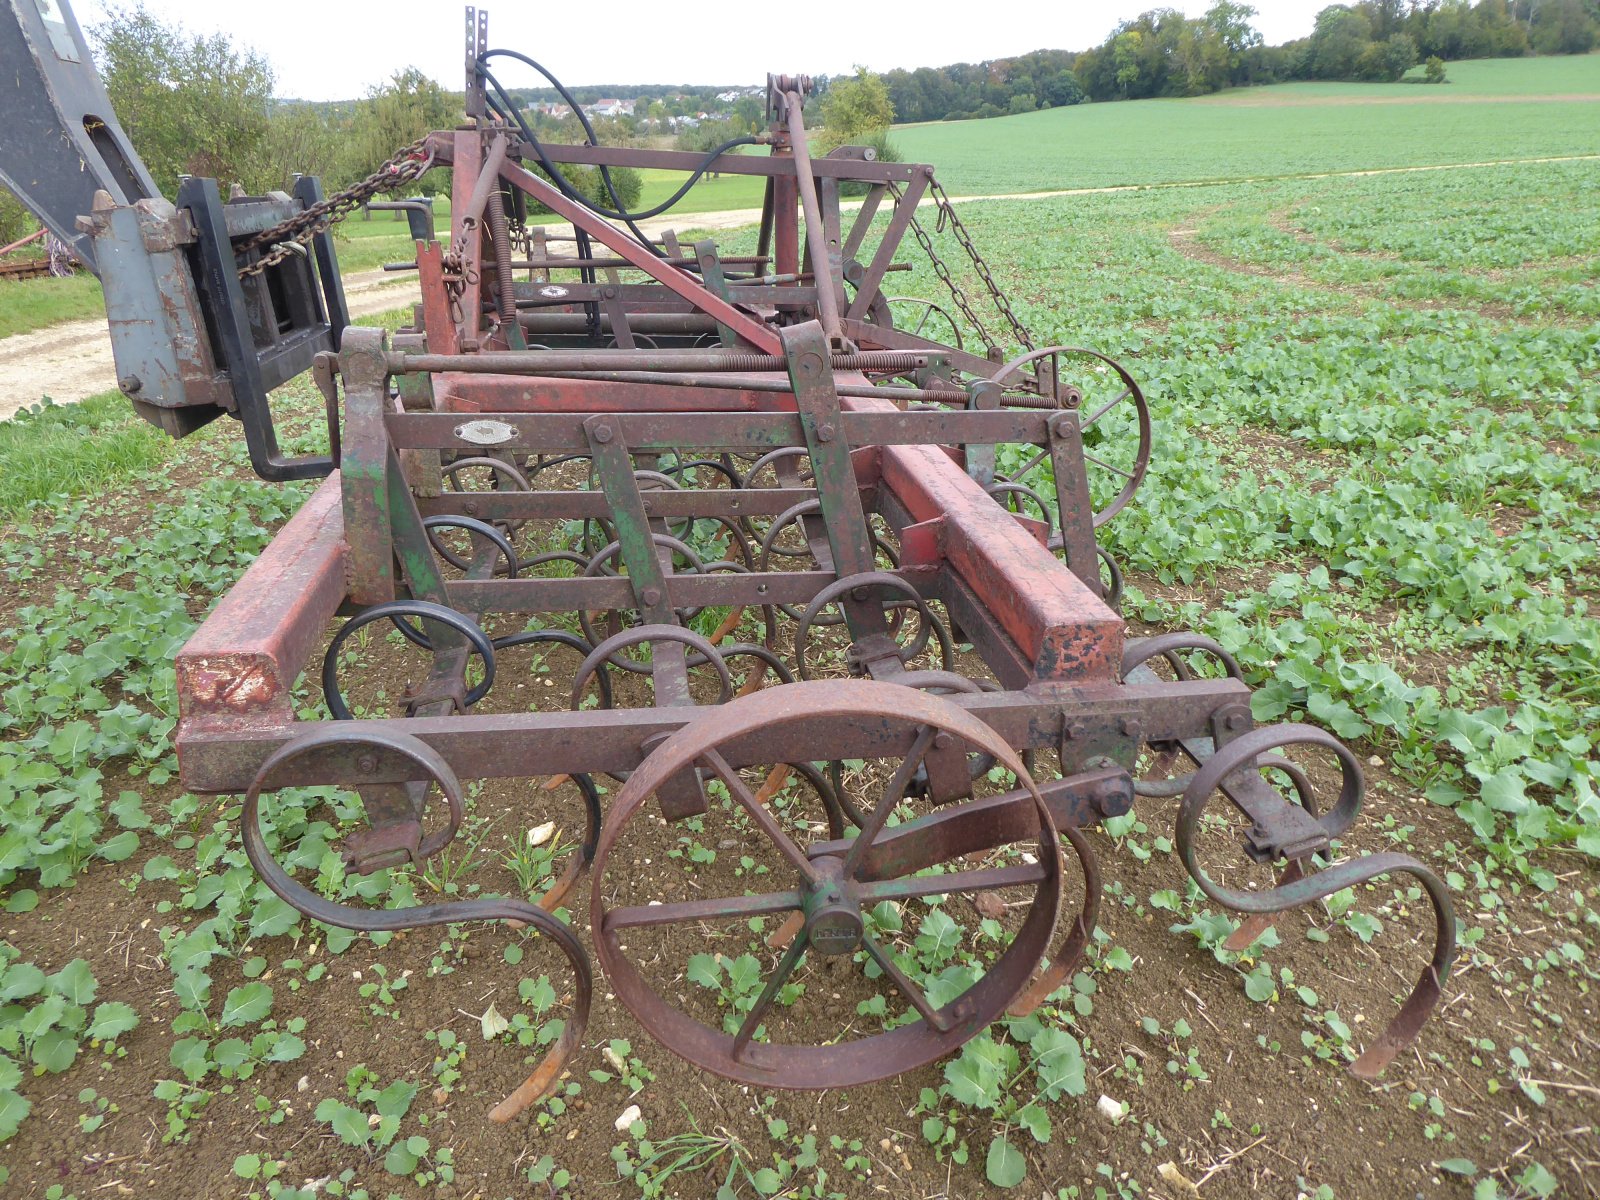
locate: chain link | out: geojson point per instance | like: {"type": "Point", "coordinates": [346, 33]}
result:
{"type": "Point", "coordinates": [289, 236]}
{"type": "Point", "coordinates": [948, 219]}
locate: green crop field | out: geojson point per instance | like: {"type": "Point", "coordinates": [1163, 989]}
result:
{"type": "Point", "coordinates": [1376, 417]}
{"type": "Point", "coordinates": [1525, 108]}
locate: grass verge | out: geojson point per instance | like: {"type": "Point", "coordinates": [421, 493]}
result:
{"type": "Point", "coordinates": [52, 450]}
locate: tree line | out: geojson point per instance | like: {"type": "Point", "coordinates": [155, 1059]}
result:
{"type": "Point", "coordinates": [201, 105]}
{"type": "Point", "coordinates": [1164, 53]}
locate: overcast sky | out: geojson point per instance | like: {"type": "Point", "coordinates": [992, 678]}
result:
{"type": "Point", "coordinates": [337, 49]}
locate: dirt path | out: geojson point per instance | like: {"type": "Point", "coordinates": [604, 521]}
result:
{"type": "Point", "coordinates": [71, 361]}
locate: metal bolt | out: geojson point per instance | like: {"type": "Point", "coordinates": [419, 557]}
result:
{"type": "Point", "coordinates": [1234, 721]}
{"type": "Point", "coordinates": [1130, 727]}
{"type": "Point", "coordinates": [859, 593]}
{"type": "Point", "coordinates": [603, 434]}
{"type": "Point", "coordinates": [130, 384]}
{"type": "Point", "coordinates": [943, 741]}
{"type": "Point", "coordinates": [470, 508]}
{"type": "Point", "coordinates": [825, 433]}
{"type": "Point", "coordinates": [367, 764]}
{"type": "Point", "coordinates": [651, 595]}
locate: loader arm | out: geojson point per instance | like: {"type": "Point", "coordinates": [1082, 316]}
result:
{"type": "Point", "coordinates": [192, 339]}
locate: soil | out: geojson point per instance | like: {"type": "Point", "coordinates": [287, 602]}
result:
{"type": "Point", "coordinates": [1267, 1119]}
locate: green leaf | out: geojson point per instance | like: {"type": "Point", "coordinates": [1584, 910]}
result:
{"type": "Point", "coordinates": [351, 1126]}
{"type": "Point", "coordinates": [14, 1109]}
{"type": "Point", "coordinates": [128, 809]}
{"type": "Point", "coordinates": [192, 1056]}
{"type": "Point", "coordinates": [1458, 1166]}
{"type": "Point", "coordinates": [20, 981]}
{"type": "Point", "coordinates": [766, 1181]}
{"type": "Point", "coordinates": [1005, 1165]}
{"type": "Point", "coordinates": [24, 900]}
{"type": "Point", "coordinates": [112, 1020]}
{"type": "Point", "coordinates": [75, 983]}
{"type": "Point", "coordinates": [55, 1051]}
{"type": "Point", "coordinates": [1058, 1062]}
{"type": "Point", "coordinates": [704, 969]}
{"type": "Point", "coordinates": [1506, 792]}
{"type": "Point", "coordinates": [395, 1100]}
{"type": "Point", "coordinates": [119, 848]}
{"type": "Point", "coordinates": [245, 1004]}
{"type": "Point", "coordinates": [230, 1053]}
{"type": "Point", "coordinates": [160, 867]}
{"type": "Point", "coordinates": [1259, 984]}
{"type": "Point", "coordinates": [975, 1076]}
{"type": "Point", "coordinates": [399, 1160]}
{"type": "Point", "coordinates": [1036, 1121]}
{"type": "Point", "coordinates": [940, 936]}
{"type": "Point", "coordinates": [286, 1048]}
{"type": "Point", "coordinates": [272, 918]}
{"type": "Point", "coordinates": [247, 1166]}
{"type": "Point", "coordinates": [1537, 1181]}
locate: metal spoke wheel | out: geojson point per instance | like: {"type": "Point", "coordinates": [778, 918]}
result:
{"type": "Point", "coordinates": [1113, 417]}
{"type": "Point", "coordinates": [924, 319]}
{"type": "Point", "coordinates": [865, 974]}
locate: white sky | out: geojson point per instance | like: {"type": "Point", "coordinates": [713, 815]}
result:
{"type": "Point", "coordinates": [337, 49]}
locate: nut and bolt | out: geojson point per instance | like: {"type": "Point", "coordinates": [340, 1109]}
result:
{"type": "Point", "coordinates": [825, 432]}
{"type": "Point", "coordinates": [367, 764]}
{"type": "Point", "coordinates": [604, 433]}
{"type": "Point", "coordinates": [651, 596]}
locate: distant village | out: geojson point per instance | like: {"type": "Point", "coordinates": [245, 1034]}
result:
{"type": "Point", "coordinates": [671, 112]}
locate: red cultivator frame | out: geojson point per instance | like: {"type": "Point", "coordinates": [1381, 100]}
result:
{"type": "Point", "coordinates": [705, 475]}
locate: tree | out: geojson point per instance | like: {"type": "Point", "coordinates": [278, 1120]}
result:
{"type": "Point", "coordinates": [192, 105]}
{"type": "Point", "coordinates": [1433, 69]}
{"type": "Point", "coordinates": [855, 109]}
{"type": "Point", "coordinates": [1341, 36]}
{"type": "Point", "coordinates": [395, 114]}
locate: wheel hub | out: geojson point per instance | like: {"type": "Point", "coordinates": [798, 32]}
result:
{"type": "Point", "coordinates": [833, 919]}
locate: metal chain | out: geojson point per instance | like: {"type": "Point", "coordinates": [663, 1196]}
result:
{"type": "Point", "coordinates": [289, 236]}
{"type": "Point", "coordinates": [947, 217]}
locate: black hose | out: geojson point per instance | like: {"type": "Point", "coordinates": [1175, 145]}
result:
{"type": "Point", "coordinates": [619, 213]}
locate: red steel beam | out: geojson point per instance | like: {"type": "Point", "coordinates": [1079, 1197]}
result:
{"type": "Point", "coordinates": [243, 660]}
{"type": "Point", "coordinates": [680, 281]}
{"type": "Point", "coordinates": [1064, 630]}
{"type": "Point", "coordinates": [467, 392]}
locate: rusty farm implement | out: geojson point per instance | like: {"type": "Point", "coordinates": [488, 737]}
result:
{"type": "Point", "coordinates": [829, 590]}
